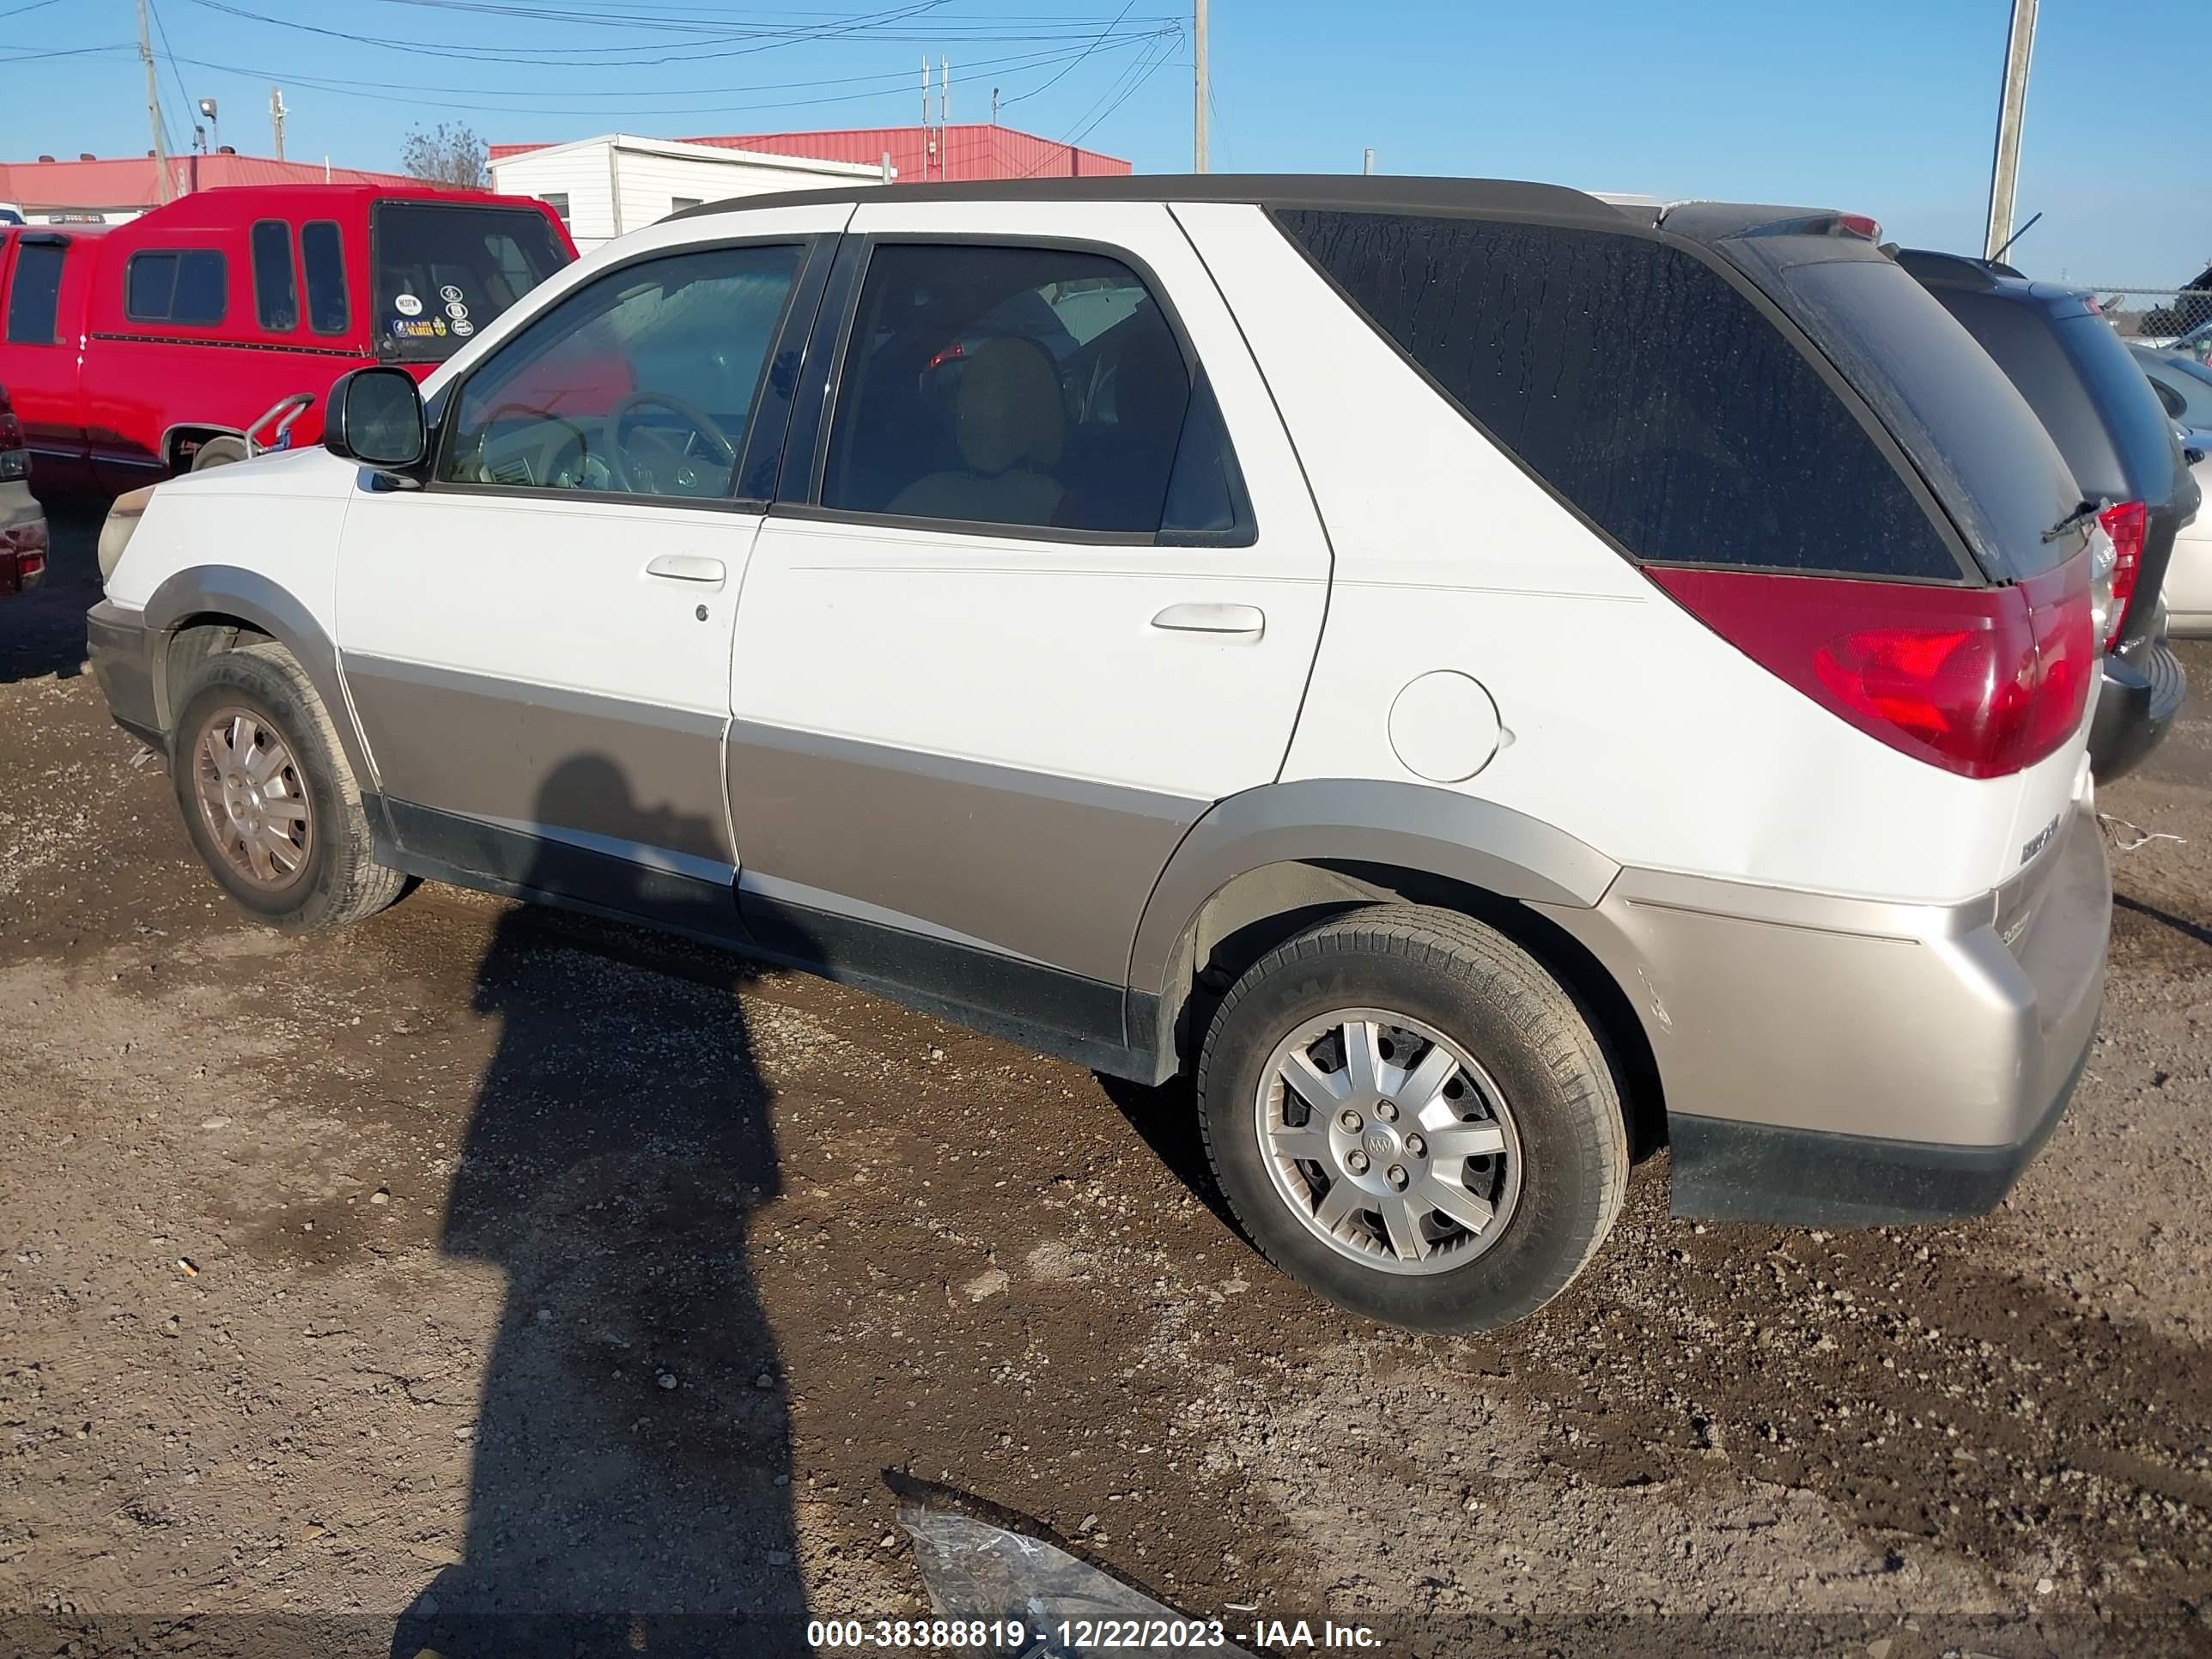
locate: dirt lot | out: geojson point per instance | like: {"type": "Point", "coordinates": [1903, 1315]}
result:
{"type": "Point", "coordinates": [372, 1292]}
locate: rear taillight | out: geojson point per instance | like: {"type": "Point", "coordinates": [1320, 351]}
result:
{"type": "Point", "coordinates": [2125, 523]}
{"type": "Point", "coordinates": [1980, 681]}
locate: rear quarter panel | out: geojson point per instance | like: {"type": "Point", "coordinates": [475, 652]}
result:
{"type": "Point", "coordinates": [1627, 723]}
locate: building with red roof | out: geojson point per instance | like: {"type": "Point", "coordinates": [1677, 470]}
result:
{"type": "Point", "coordinates": [112, 190]}
{"type": "Point", "coordinates": [918, 154]}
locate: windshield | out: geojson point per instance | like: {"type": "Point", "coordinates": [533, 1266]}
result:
{"type": "Point", "coordinates": [445, 270]}
{"type": "Point", "coordinates": [1973, 437]}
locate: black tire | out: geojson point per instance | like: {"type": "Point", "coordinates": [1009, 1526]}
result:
{"type": "Point", "coordinates": [338, 881]}
{"type": "Point", "coordinates": [1474, 986]}
{"type": "Point", "coordinates": [221, 450]}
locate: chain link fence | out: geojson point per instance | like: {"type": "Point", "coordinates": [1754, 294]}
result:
{"type": "Point", "coordinates": [2179, 317]}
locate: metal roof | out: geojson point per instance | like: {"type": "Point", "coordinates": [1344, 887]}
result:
{"type": "Point", "coordinates": [951, 154]}
{"type": "Point", "coordinates": [132, 182]}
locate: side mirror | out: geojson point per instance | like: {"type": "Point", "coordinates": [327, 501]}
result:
{"type": "Point", "coordinates": [375, 416]}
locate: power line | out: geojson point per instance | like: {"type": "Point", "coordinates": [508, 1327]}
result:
{"type": "Point", "coordinates": [875, 26]}
{"type": "Point", "coordinates": [1079, 57]}
{"type": "Point", "coordinates": [1136, 74]}
{"type": "Point", "coordinates": [899, 79]}
{"type": "Point", "coordinates": [168, 53]}
{"type": "Point", "coordinates": [890, 85]}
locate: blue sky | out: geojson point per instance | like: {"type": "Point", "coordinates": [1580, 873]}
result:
{"type": "Point", "coordinates": [1882, 107]}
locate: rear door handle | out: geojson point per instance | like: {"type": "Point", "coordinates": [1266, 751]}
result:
{"type": "Point", "coordinates": [687, 568]}
{"type": "Point", "coordinates": [1248, 619]}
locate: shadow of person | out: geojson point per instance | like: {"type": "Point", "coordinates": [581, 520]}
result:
{"type": "Point", "coordinates": [630, 1485]}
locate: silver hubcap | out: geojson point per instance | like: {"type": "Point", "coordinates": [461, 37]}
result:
{"type": "Point", "coordinates": [253, 798]}
{"type": "Point", "coordinates": [1388, 1141]}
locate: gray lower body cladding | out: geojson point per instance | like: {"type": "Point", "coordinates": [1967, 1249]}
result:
{"type": "Point", "coordinates": [1051, 870]}
{"type": "Point", "coordinates": [630, 777]}
{"type": "Point", "coordinates": [1880, 1030]}
{"type": "Point", "coordinates": [121, 649]}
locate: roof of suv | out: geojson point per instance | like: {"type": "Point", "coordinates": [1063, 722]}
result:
{"type": "Point", "coordinates": [2070, 366]}
{"type": "Point", "coordinates": [1962, 272]}
{"type": "Point", "coordinates": [1356, 192]}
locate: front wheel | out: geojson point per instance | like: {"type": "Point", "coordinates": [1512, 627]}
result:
{"type": "Point", "coordinates": [269, 803]}
{"type": "Point", "coordinates": [1411, 1117]}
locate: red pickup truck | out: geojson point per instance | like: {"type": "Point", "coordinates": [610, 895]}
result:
{"type": "Point", "coordinates": [141, 350]}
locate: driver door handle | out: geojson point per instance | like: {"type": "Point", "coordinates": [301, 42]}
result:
{"type": "Point", "coordinates": [686, 568]}
{"type": "Point", "coordinates": [1248, 620]}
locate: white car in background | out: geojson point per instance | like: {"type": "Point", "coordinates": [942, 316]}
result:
{"type": "Point", "coordinates": [2189, 575]}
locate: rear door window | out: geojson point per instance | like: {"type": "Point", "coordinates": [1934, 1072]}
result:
{"type": "Point", "coordinates": [322, 255]}
{"type": "Point", "coordinates": [183, 285]}
{"type": "Point", "coordinates": [1640, 386]}
{"type": "Point", "coordinates": [444, 272]}
{"type": "Point", "coordinates": [34, 292]}
{"type": "Point", "coordinates": [1042, 387]}
{"type": "Point", "coordinates": [276, 288]}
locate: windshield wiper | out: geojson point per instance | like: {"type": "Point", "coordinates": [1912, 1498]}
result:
{"type": "Point", "coordinates": [2074, 520]}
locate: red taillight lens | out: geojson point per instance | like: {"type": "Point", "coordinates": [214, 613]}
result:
{"type": "Point", "coordinates": [2125, 523]}
{"type": "Point", "coordinates": [1981, 682]}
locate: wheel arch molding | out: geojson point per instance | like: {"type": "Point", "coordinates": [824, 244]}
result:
{"type": "Point", "coordinates": [228, 593]}
{"type": "Point", "coordinates": [1297, 849]}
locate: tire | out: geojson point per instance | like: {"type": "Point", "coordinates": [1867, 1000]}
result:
{"type": "Point", "coordinates": [334, 879]}
{"type": "Point", "coordinates": [219, 451]}
{"type": "Point", "coordinates": [1540, 1091]}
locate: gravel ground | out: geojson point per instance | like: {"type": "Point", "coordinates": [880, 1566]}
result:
{"type": "Point", "coordinates": [365, 1293]}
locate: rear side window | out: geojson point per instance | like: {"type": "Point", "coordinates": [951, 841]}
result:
{"type": "Point", "coordinates": [1639, 384]}
{"type": "Point", "coordinates": [188, 285]}
{"type": "Point", "coordinates": [322, 255]}
{"type": "Point", "coordinates": [275, 291]}
{"type": "Point", "coordinates": [34, 295]}
{"type": "Point", "coordinates": [1040, 387]}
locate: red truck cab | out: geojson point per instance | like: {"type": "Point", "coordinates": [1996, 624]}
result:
{"type": "Point", "coordinates": [128, 350]}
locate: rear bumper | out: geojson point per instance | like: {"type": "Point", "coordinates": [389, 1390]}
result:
{"type": "Point", "coordinates": [1845, 1062]}
{"type": "Point", "coordinates": [1732, 1171]}
{"type": "Point", "coordinates": [2136, 704]}
{"type": "Point", "coordinates": [121, 648]}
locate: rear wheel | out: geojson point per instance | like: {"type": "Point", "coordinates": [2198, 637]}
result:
{"type": "Point", "coordinates": [1409, 1116]}
{"type": "Point", "coordinates": [269, 803]}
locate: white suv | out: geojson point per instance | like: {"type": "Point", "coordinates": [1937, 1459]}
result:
{"type": "Point", "coordinates": [1466, 670]}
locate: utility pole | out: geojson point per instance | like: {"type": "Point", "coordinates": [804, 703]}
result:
{"type": "Point", "coordinates": [926, 145]}
{"type": "Point", "coordinates": [943, 93]}
{"type": "Point", "coordinates": [2012, 108]}
{"type": "Point", "coordinates": [1198, 113]}
{"type": "Point", "coordinates": [153, 108]}
{"type": "Point", "coordinates": [276, 114]}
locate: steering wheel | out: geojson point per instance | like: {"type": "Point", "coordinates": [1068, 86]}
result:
{"type": "Point", "coordinates": [557, 443]}
{"type": "Point", "coordinates": [701, 423]}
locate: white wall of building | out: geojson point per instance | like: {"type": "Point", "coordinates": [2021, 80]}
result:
{"type": "Point", "coordinates": [617, 183]}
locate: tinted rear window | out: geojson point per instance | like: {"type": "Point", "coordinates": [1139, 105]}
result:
{"type": "Point", "coordinates": [1640, 386]}
{"type": "Point", "coordinates": [186, 286]}
{"type": "Point", "coordinates": [275, 290]}
{"type": "Point", "coordinates": [322, 253]}
{"type": "Point", "coordinates": [1981, 448]}
{"type": "Point", "coordinates": [444, 272]}
{"type": "Point", "coordinates": [34, 292]}
{"type": "Point", "coordinates": [2140, 428]}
